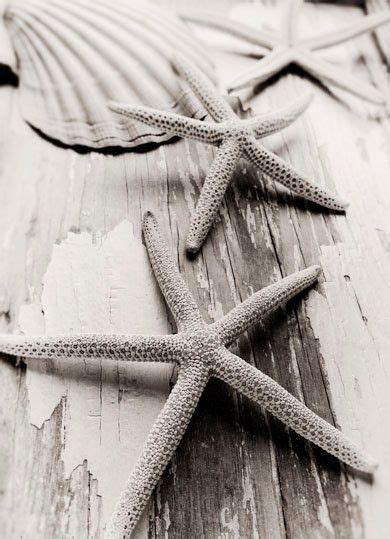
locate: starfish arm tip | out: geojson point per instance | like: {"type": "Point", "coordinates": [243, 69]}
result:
{"type": "Point", "coordinates": [192, 247]}
{"type": "Point", "coordinates": [365, 463]}
{"type": "Point", "coordinates": [341, 205]}
{"type": "Point", "coordinates": [116, 107]}
{"type": "Point", "coordinates": [239, 83]}
{"type": "Point", "coordinates": [177, 61]}
{"type": "Point", "coordinates": [135, 112]}
{"type": "Point", "coordinates": [310, 274]}
{"type": "Point", "coordinates": [372, 465]}
{"type": "Point", "coordinates": [331, 201]}
{"type": "Point", "coordinates": [231, 88]}
{"type": "Point", "coordinates": [315, 270]}
{"type": "Point", "coordinates": [150, 227]}
{"type": "Point", "coordinates": [130, 111]}
{"type": "Point", "coordinates": [148, 217]}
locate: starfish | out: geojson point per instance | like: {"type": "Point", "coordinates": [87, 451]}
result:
{"type": "Point", "coordinates": [280, 51]}
{"type": "Point", "coordinates": [235, 138]}
{"type": "Point", "coordinates": [200, 352]}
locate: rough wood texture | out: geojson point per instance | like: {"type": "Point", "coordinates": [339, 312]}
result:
{"type": "Point", "coordinates": [72, 260]}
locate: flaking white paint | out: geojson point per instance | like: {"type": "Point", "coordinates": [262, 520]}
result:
{"type": "Point", "coordinates": [99, 284]}
{"type": "Point", "coordinates": [230, 524]}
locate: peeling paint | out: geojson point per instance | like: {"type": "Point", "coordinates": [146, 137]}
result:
{"type": "Point", "coordinates": [99, 284]}
{"type": "Point", "coordinates": [230, 523]}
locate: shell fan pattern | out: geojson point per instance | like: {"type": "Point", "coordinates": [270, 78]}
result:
{"type": "Point", "coordinates": [72, 60]}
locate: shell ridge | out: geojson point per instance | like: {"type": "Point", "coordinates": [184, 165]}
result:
{"type": "Point", "coordinates": [156, 72]}
{"type": "Point", "coordinates": [32, 37]}
{"type": "Point", "coordinates": [67, 61]}
{"type": "Point", "coordinates": [72, 65]}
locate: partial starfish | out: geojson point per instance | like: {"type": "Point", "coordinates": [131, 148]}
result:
{"type": "Point", "coordinates": [235, 138]}
{"type": "Point", "coordinates": [280, 51]}
{"type": "Point", "coordinates": [200, 352]}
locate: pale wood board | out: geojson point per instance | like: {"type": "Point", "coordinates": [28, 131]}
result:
{"type": "Point", "coordinates": [72, 259]}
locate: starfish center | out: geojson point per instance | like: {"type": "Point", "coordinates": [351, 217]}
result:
{"type": "Point", "coordinates": [236, 131]}
{"type": "Point", "coordinates": [202, 345]}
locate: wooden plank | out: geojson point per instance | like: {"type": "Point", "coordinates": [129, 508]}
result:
{"type": "Point", "coordinates": [71, 247]}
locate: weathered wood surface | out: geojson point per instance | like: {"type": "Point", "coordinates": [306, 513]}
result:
{"type": "Point", "coordinates": [72, 260]}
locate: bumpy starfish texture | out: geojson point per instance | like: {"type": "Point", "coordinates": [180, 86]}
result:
{"type": "Point", "coordinates": [235, 138]}
{"type": "Point", "coordinates": [200, 352]}
{"type": "Point", "coordinates": [280, 51]}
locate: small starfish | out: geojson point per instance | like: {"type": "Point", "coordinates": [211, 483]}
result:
{"type": "Point", "coordinates": [235, 138]}
{"type": "Point", "coordinates": [200, 352]}
{"type": "Point", "coordinates": [287, 48]}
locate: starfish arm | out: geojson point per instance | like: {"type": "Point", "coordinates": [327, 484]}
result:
{"type": "Point", "coordinates": [172, 285]}
{"type": "Point", "coordinates": [122, 347]}
{"type": "Point", "coordinates": [159, 448]}
{"type": "Point", "coordinates": [331, 75]}
{"type": "Point", "coordinates": [262, 389]}
{"type": "Point", "coordinates": [275, 167]}
{"type": "Point", "coordinates": [263, 69]}
{"type": "Point", "coordinates": [367, 24]}
{"type": "Point", "coordinates": [272, 122]}
{"type": "Point", "coordinates": [204, 89]}
{"type": "Point", "coordinates": [213, 190]}
{"type": "Point", "coordinates": [176, 124]}
{"type": "Point", "coordinates": [262, 303]}
{"type": "Point", "coordinates": [215, 20]}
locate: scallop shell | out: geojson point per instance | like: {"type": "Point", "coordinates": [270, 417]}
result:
{"type": "Point", "coordinates": [74, 56]}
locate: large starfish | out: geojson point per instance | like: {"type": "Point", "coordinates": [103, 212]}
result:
{"type": "Point", "coordinates": [235, 138]}
{"type": "Point", "coordinates": [286, 48]}
{"type": "Point", "coordinates": [200, 352]}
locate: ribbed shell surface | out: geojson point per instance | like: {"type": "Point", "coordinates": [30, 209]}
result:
{"type": "Point", "coordinates": [74, 56]}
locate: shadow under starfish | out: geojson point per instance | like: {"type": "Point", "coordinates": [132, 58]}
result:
{"type": "Point", "coordinates": [200, 351]}
{"type": "Point", "coordinates": [284, 49]}
{"type": "Point", "coordinates": [234, 138]}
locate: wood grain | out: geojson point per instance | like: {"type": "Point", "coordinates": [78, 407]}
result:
{"type": "Point", "coordinates": [72, 259]}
